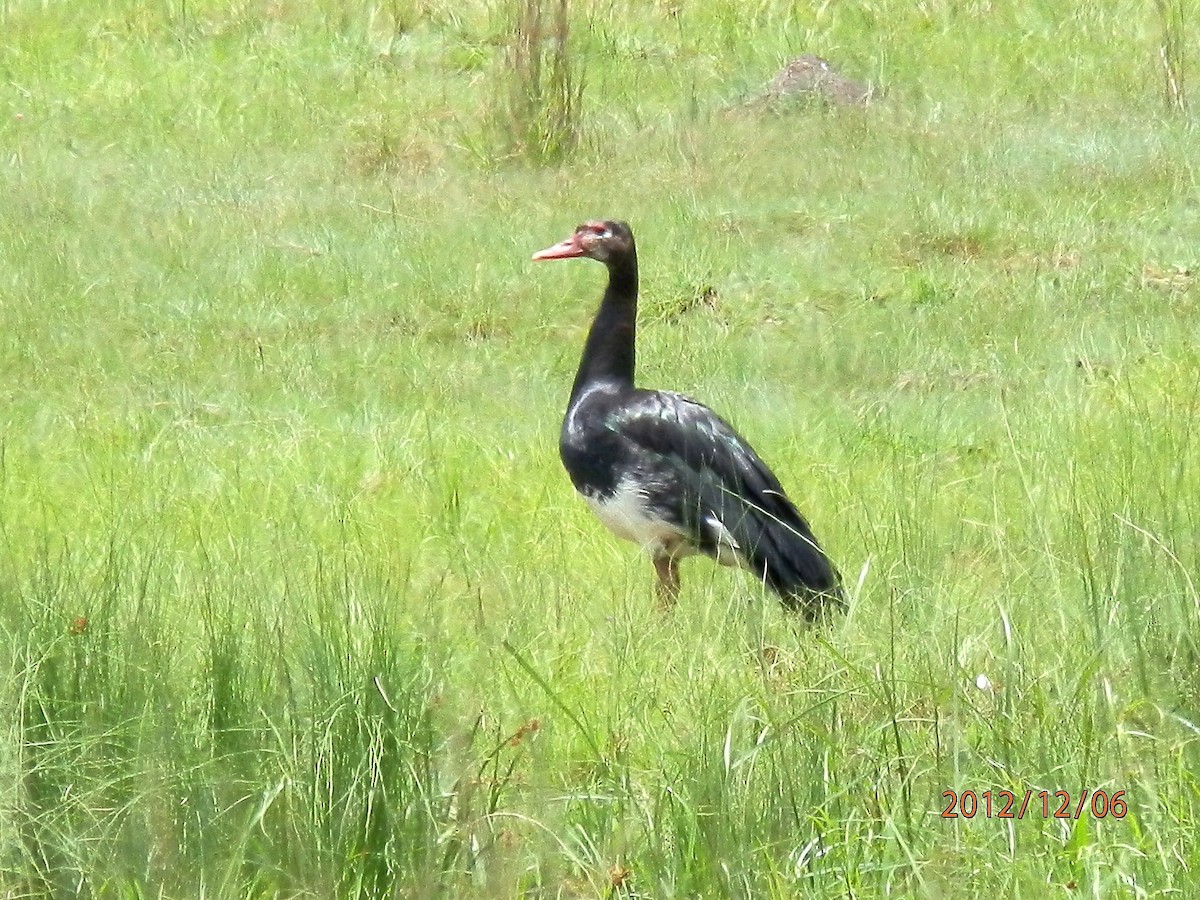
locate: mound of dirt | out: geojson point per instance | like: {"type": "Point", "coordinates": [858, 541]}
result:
{"type": "Point", "coordinates": [810, 79]}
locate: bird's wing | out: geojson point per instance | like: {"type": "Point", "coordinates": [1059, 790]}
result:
{"type": "Point", "coordinates": [722, 491]}
{"type": "Point", "coordinates": [695, 438]}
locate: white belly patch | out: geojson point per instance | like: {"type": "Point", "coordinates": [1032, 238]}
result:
{"type": "Point", "coordinates": [626, 514]}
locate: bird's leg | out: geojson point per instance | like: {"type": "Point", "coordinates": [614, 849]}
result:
{"type": "Point", "coordinates": [667, 569]}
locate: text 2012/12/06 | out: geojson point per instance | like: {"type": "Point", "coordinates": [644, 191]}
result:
{"type": "Point", "coordinates": [1000, 804]}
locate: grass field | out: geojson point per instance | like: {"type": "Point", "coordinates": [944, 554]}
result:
{"type": "Point", "coordinates": [297, 601]}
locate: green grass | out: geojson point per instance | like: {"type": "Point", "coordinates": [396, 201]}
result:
{"type": "Point", "coordinates": [280, 397]}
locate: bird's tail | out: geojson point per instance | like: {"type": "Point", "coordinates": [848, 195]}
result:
{"type": "Point", "coordinates": [784, 553]}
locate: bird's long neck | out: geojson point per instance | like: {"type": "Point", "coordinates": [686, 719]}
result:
{"type": "Point", "coordinates": [609, 354]}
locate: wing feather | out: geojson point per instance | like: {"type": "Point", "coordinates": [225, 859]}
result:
{"type": "Point", "coordinates": [724, 494]}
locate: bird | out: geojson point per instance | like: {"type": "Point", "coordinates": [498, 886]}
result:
{"type": "Point", "coordinates": [665, 471]}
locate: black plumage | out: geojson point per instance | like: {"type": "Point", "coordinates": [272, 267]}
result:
{"type": "Point", "coordinates": [666, 471]}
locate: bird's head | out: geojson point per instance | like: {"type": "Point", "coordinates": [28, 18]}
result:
{"type": "Point", "coordinates": [607, 242]}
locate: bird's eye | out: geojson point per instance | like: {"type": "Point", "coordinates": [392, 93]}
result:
{"type": "Point", "coordinates": [597, 231]}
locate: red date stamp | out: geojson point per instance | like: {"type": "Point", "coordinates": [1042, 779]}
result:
{"type": "Point", "coordinates": [1001, 804]}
